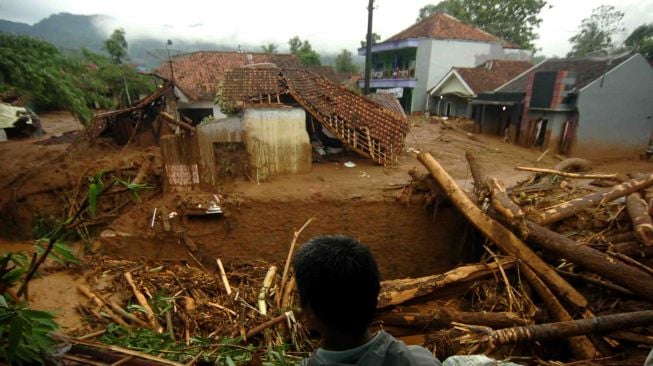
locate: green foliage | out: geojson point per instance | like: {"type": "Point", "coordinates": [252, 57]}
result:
{"type": "Point", "coordinates": [24, 334]}
{"type": "Point", "coordinates": [596, 32]}
{"type": "Point", "coordinates": [95, 186]}
{"type": "Point", "coordinates": [134, 188]}
{"type": "Point", "coordinates": [13, 265]}
{"type": "Point", "coordinates": [304, 51]}
{"type": "Point", "coordinates": [512, 20]}
{"type": "Point", "coordinates": [375, 39]}
{"type": "Point", "coordinates": [116, 46]}
{"type": "Point", "coordinates": [270, 48]}
{"type": "Point", "coordinates": [641, 40]}
{"type": "Point", "coordinates": [225, 106]}
{"type": "Point", "coordinates": [61, 253]}
{"type": "Point", "coordinates": [38, 69]}
{"type": "Point", "coordinates": [344, 62]}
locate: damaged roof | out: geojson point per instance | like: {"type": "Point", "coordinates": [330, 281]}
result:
{"type": "Point", "coordinates": [198, 74]}
{"type": "Point", "coordinates": [586, 69]}
{"type": "Point", "coordinates": [491, 74]}
{"type": "Point", "coordinates": [444, 26]}
{"type": "Point", "coordinates": [387, 100]}
{"type": "Point", "coordinates": [362, 124]}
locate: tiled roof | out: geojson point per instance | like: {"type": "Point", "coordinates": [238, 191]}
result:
{"type": "Point", "coordinates": [198, 74]}
{"type": "Point", "coordinates": [364, 125]}
{"type": "Point", "coordinates": [389, 101]}
{"type": "Point", "coordinates": [324, 70]}
{"type": "Point", "coordinates": [443, 26]}
{"type": "Point", "coordinates": [491, 74]}
{"type": "Point", "coordinates": [586, 70]}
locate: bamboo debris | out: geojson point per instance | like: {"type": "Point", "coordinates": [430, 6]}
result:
{"type": "Point", "coordinates": [500, 235]}
{"type": "Point", "coordinates": [566, 174]}
{"type": "Point", "coordinates": [223, 276]}
{"type": "Point", "coordinates": [154, 323]}
{"type": "Point", "coordinates": [642, 223]}
{"type": "Point", "coordinates": [566, 329]}
{"type": "Point", "coordinates": [168, 117]}
{"type": "Point", "coordinates": [276, 320]}
{"type": "Point", "coordinates": [101, 304]}
{"type": "Point", "coordinates": [395, 292]}
{"type": "Point", "coordinates": [570, 208]}
{"type": "Point", "coordinates": [263, 294]}
{"type": "Point", "coordinates": [286, 267]}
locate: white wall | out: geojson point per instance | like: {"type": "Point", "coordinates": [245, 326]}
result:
{"type": "Point", "coordinates": [203, 104]}
{"type": "Point", "coordinates": [436, 57]}
{"type": "Point", "coordinates": [277, 141]}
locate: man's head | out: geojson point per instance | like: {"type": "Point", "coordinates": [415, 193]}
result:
{"type": "Point", "coordinates": [338, 282]}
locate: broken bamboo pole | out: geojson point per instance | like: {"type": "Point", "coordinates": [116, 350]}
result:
{"type": "Point", "coordinates": [223, 276]}
{"type": "Point", "coordinates": [395, 292]}
{"type": "Point", "coordinates": [554, 331]}
{"type": "Point", "coordinates": [570, 208]}
{"type": "Point", "coordinates": [254, 331]}
{"type": "Point", "coordinates": [642, 222]}
{"type": "Point", "coordinates": [286, 267]}
{"type": "Point", "coordinates": [566, 174]}
{"type": "Point", "coordinates": [263, 293]}
{"type": "Point", "coordinates": [142, 301]}
{"type": "Point", "coordinates": [634, 279]}
{"type": "Point", "coordinates": [101, 304]}
{"type": "Point", "coordinates": [505, 239]}
{"type": "Point", "coordinates": [581, 346]}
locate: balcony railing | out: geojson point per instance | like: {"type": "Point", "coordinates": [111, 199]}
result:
{"type": "Point", "coordinates": [394, 74]}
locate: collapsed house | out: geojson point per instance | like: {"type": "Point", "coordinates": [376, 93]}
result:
{"type": "Point", "coordinates": [18, 121]}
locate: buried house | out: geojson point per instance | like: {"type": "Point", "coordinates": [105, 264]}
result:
{"type": "Point", "coordinates": [592, 107]}
{"type": "Point", "coordinates": [452, 96]}
{"type": "Point", "coordinates": [197, 76]}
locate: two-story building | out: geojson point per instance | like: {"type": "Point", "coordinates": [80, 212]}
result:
{"type": "Point", "coordinates": [415, 59]}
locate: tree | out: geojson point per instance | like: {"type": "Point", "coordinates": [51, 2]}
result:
{"type": "Point", "coordinates": [450, 7]}
{"type": "Point", "coordinates": [269, 48]}
{"type": "Point", "coordinates": [116, 45]}
{"type": "Point", "coordinates": [375, 38]}
{"type": "Point", "coordinates": [596, 32]}
{"type": "Point", "coordinates": [344, 62]}
{"type": "Point", "coordinates": [641, 40]}
{"type": "Point", "coordinates": [304, 51]}
{"type": "Point", "coordinates": [295, 43]}
{"type": "Point", "coordinates": [512, 20]}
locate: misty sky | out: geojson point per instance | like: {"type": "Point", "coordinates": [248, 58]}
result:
{"type": "Point", "coordinates": [329, 25]}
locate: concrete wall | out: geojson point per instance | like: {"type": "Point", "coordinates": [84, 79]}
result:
{"type": "Point", "coordinates": [518, 54]}
{"type": "Point", "coordinates": [223, 130]}
{"type": "Point", "coordinates": [616, 112]}
{"type": "Point", "coordinates": [435, 58]}
{"type": "Point", "coordinates": [277, 141]}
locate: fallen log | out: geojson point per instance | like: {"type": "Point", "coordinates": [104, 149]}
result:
{"type": "Point", "coordinates": [633, 248]}
{"type": "Point", "coordinates": [570, 208]}
{"type": "Point", "coordinates": [636, 280]}
{"type": "Point", "coordinates": [395, 292]}
{"type": "Point", "coordinates": [580, 346]}
{"type": "Point", "coordinates": [506, 207]}
{"type": "Point", "coordinates": [598, 282]}
{"type": "Point", "coordinates": [508, 242]}
{"type": "Point", "coordinates": [100, 304]}
{"type": "Point", "coordinates": [478, 174]}
{"type": "Point", "coordinates": [566, 174]}
{"type": "Point", "coordinates": [642, 222]}
{"type": "Point", "coordinates": [442, 317]}
{"type": "Point", "coordinates": [555, 331]}
{"type": "Point", "coordinates": [177, 122]}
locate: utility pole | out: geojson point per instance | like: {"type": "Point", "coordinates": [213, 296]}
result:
{"type": "Point", "coordinates": [368, 48]}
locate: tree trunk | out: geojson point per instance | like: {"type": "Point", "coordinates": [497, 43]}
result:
{"type": "Point", "coordinates": [396, 292]}
{"type": "Point", "coordinates": [554, 331]}
{"type": "Point", "coordinates": [642, 223]}
{"type": "Point", "coordinates": [442, 317]}
{"type": "Point", "coordinates": [620, 273]}
{"type": "Point", "coordinates": [500, 235]}
{"type": "Point", "coordinates": [502, 203]}
{"type": "Point", "coordinates": [581, 346]}
{"type": "Point", "coordinates": [566, 174]}
{"type": "Point", "coordinates": [570, 208]}
{"type": "Point", "coordinates": [633, 249]}
{"type": "Point", "coordinates": [478, 174]}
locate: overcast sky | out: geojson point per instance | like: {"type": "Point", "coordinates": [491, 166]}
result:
{"type": "Point", "coordinates": [329, 25]}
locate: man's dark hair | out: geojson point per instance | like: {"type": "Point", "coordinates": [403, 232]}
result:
{"type": "Point", "coordinates": [338, 278]}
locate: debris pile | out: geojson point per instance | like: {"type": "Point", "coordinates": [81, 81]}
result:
{"type": "Point", "coordinates": [578, 267]}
